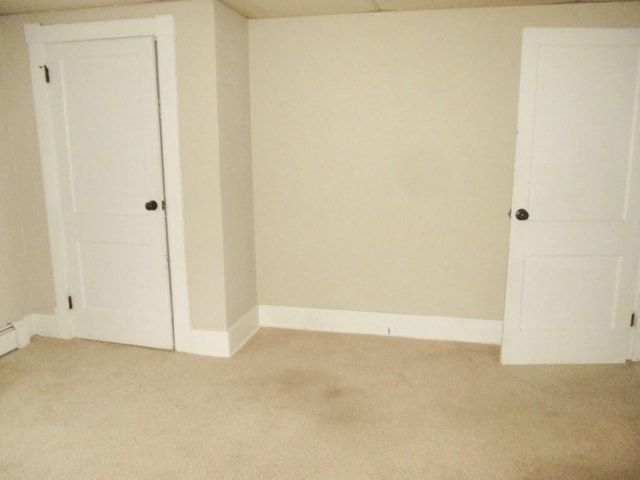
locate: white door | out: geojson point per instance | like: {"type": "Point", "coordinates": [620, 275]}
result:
{"type": "Point", "coordinates": [103, 106]}
{"type": "Point", "coordinates": [573, 261]}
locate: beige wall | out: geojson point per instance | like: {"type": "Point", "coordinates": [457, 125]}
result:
{"type": "Point", "coordinates": [382, 157]}
{"type": "Point", "coordinates": [383, 149]}
{"type": "Point", "coordinates": [196, 75]}
{"type": "Point", "coordinates": [13, 275]}
{"type": "Point", "coordinates": [232, 62]}
{"type": "Point", "coordinates": [22, 149]}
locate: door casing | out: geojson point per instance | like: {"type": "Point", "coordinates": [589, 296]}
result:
{"type": "Point", "coordinates": [162, 29]}
{"type": "Point", "coordinates": [635, 349]}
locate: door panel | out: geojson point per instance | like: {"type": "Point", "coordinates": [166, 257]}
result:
{"type": "Point", "coordinates": [573, 262]}
{"type": "Point", "coordinates": [560, 304]}
{"type": "Point", "coordinates": [585, 95]}
{"type": "Point", "coordinates": [101, 96]}
{"type": "Point", "coordinates": [104, 108]}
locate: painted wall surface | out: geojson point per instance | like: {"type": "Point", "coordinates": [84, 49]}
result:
{"type": "Point", "coordinates": [232, 66]}
{"type": "Point", "coordinates": [383, 151]}
{"type": "Point", "coordinates": [13, 274]}
{"type": "Point", "coordinates": [197, 104]}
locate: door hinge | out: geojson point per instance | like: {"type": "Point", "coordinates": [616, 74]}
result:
{"type": "Point", "coordinates": [633, 319]}
{"type": "Point", "coordinates": [70, 298]}
{"type": "Point", "coordinates": [46, 73]}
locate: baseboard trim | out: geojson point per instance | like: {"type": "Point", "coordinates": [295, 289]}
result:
{"type": "Point", "coordinates": [212, 343]}
{"type": "Point", "coordinates": [242, 331]}
{"type": "Point", "coordinates": [216, 343]}
{"type": "Point", "coordinates": [225, 344]}
{"type": "Point", "coordinates": [387, 324]}
{"type": "Point", "coordinates": [54, 326]}
{"type": "Point", "coordinates": [24, 332]}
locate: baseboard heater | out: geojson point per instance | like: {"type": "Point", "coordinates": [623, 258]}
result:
{"type": "Point", "coordinates": [8, 339]}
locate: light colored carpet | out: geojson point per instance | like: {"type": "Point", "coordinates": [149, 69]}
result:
{"type": "Point", "coordinates": [300, 405]}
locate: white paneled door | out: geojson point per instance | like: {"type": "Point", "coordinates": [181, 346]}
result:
{"type": "Point", "coordinates": [103, 107]}
{"type": "Point", "coordinates": [575, 235]}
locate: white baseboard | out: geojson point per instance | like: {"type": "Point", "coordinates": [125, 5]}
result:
{"type": "Point", "coordinates": [24, 331]}
{"type": "Point", "coordinates": [245, 328]}
{"type": "Point", "coordinates": [55, 326]}
{"type": "Point", "coordinates": [227, 343]}
{"type": "Point", "coordinates": [215, 343]}
{"type": "Point", "coordinates": [389, 324]}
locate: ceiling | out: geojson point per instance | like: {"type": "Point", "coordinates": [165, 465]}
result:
{"type": "Point", "coordinates": [286, 8]}
{"type": "Point", "coordinates": [296, 8]}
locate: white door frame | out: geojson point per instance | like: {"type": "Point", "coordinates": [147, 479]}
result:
{"type": "Point", "coordinates": [162, 29]}
{"type": "Point", "coordinates": [635, 340]}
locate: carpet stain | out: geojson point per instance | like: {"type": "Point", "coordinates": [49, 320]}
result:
{"type": "Point", "coordinates": [332, 393]}
{"type": "Point", "coordinates": [321, 396]}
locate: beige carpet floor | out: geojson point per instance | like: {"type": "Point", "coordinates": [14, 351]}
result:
{"type": "Point", "coordinates": [300, 405]}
